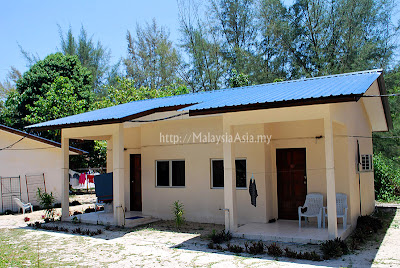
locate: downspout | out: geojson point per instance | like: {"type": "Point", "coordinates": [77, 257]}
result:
{"type": "Point", "coordinates": [229, 216]}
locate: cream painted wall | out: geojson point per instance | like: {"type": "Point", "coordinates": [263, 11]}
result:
{"type": "Point", "coordinates": [357, 124]}
{"type": "Point", "coordinates": [294, 127]}
{"type": "Point", "coordinates": [27, 162]}
{"type": "Point", "coordinates": [298, 134]}
{"type": "Point", "coordinates": [203, 203]}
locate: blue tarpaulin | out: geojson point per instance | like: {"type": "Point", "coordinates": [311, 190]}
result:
{"type": "Point", "coordinates": [104, 187]}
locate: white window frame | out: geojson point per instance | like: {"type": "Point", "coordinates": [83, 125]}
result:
{"type": "Point", "coordinates": [170, 173]}
{"type": "Point", "coordinates": [212, 175]}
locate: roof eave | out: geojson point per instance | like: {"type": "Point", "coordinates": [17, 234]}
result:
{"type": "Point", "coordinates": [385, 102]}
{"type": "Point", "coordinates": [110, 121]}
{"type": "Point", "coordinates": [278, 104]}
{"type": "Point", "coordinates": [39, 139]}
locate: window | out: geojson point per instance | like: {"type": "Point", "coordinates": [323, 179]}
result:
{"type": "Point", "coordinates": [241, 176]}
{"type": "Point", "coordinates": [217, 173]}
{"type": "Point", "coordinates": [170, 173]}
{"type": "Point", "coordinates": [162, 173]}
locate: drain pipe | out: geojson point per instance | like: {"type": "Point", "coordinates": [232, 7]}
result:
{"type": "Point", "coordinates": [123, 210]}
{"type": "Point", "coordinates": [229, 216]}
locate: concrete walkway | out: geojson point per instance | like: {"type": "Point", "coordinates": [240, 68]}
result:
{"type": "Point", "coordinates": [288, 231]}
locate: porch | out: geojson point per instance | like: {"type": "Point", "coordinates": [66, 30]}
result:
{"type": "Point", "coordinates": [132, 218]}
{"type": "Point", "coordinates": [288, 231]}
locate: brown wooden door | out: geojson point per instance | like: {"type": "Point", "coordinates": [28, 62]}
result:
{"type": "Point", "coordinates": [136, 182]}
{"type": "Point", "coordinates": [292, 181]}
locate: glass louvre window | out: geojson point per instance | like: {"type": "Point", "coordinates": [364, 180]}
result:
{"type": "Point", "coordinates": [162, 173]}
{"type": "Point", "coordinates": [170, 173]}
{"type": "Point", "coordinates": [178, 173]}
{"type": "Point", "coordinates": [241, 175]}
{"type": "Point", "coordinates": [217, 173]}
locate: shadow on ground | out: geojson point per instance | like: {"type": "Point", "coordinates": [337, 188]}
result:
{"type": "Point", "coordinates": [366, 253]}
{"type": "Point", "coordinates": [199, 239]}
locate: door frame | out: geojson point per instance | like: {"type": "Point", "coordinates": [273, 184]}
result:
{"type": "Point", "coordinates": [275, 177]}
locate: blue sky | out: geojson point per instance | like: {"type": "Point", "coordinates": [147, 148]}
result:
{"type": "Point", "coordinates": [33, 24]}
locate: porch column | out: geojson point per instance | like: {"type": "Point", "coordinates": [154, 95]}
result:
{"type": "Point", "coordinates": [330, 178]}
{"type": "Point", "coordinates": [229, 180]}
{"type": "Point", "coordinates": [118, 174]}
{"type": "Point", "coordinates": [64, 178]}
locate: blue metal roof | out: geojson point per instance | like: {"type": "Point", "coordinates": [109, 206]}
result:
{"type": "Point", "coordinates": [304, 89]}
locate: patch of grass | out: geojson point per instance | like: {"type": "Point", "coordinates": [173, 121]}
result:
{"type": "Point", "coordinates": [14, 254]}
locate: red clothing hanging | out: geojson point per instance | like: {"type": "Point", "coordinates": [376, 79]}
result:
{"type": "Point", "coordinates": [90, 177]}
{"type": "Point", "coordinates": [82, 178]}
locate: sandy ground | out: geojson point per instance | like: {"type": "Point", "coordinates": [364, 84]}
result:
{"type": "Point", "coordinates": [84, 198]}
{"type": "Point", "coordinates": [159, 244]}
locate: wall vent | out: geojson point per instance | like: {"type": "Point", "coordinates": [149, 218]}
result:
{"type": "Point", "coordinates": [366, 162]}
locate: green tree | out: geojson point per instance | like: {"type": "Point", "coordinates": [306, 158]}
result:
{"type": "Point", "coordinates": [7, 87]}
{"type": "Point", "coordinates": [94, 56]}
{"type": "Point", "coordinates": [325, 37]}
{"type": "Point", "coordinates": [383, 141]}
{"type": "Point", "coordinates": [59, 101]}
{"type": "Point", "coordinates": [206, 68]}
{"type": "Point", "coordinates": [125, 91]}
{"type": "Point", "coordinates": [152, 59]}
{"type": "Point", "coordinates": [234, 21]}
{"type": "Point", "coordinates": [35, 84]}
{"type": "Point", "coordinates": [238, 79]}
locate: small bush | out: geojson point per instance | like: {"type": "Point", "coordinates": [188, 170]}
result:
{"type": "Point", "coordinates": [75, 220]}
{"type": "Point", "coordinates": [46, 200]}
{"type": "Point", "coordinates": [8, 212]}
{"type": "Point", "coordinates": [387, 178]}
{"type": "Point", "coordinates": [220, 237]}
{"type": "Point", "coordinates": [255, 247]}
{"type": "Point", "coordinates": [211, 245]}
{"type": "Point", "coordinates": [366, 222]}
{"type": "Point", "coordinates": [234, 248]}
{"type": "Point", "coordinates": [274, 250]}
{"type": "Point", "coordinates": [290, 253]}
{"type": "Point", "coordinates": [218, 247]}
{"type": "Point", "coordinates": [178, 212]}
{"type": "Point", "coordinates": [366, 226]}
{"type": "Point", "coordinates": [75, 203]}
{"type": "Point", "coordinates": [77, 213]}
{"type": "Point", "coordinates": [88, 210]}
{"type": "Point", "coordinates": [334, 248]}
{"type": "Point", "coordinates": [57, 205]}
{"type": "Point", "coordinates": [312, 256]}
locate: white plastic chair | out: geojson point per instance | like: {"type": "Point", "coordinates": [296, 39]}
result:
{"type": "Point", "coordinates": [314, 204]}
{"type": "Point", "coordinates": [23, 206]}
{"type": "Point", "coordinates": [341, 209]}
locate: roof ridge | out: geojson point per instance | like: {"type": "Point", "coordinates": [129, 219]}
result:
{"type": "Point", "coordinates": [312, 78]}
{"type": "Point", "coordinates": [259, 85]}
